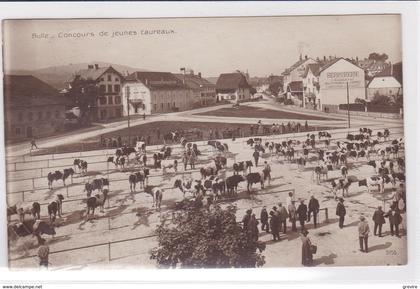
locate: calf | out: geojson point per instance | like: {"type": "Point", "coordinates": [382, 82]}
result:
{"type": "Point", "coordinates": [254, 178]}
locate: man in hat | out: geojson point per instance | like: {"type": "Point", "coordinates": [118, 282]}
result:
{"type": "Point", "coordinates": [394, 221]}
{"type": "Point", "coordinates": [43, 252]}
{"type": "Point", "coordinates": [313, 207]}
{"type": "Point", "coordinates": [302, 212]}
{"type": "Point", "coordinates": [340, 212]}
{"type": "Point", "coordinates": [289, 199]}
{"type": "Point", "coordinates": [246, 219]}
{"type": "Point", "coordinates": [363, 234]}
{"type": "Point", "coordinates": [264, 220]}
{"type": "Point", "coordinates": [379, 219]}
{"type": "Point", "coordinates": [283, 214]}
{"type": "Point", "coordinates": [292, 215]}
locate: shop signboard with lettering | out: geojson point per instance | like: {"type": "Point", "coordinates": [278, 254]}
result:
{"type": "Point", "coordinates": [338, 80]}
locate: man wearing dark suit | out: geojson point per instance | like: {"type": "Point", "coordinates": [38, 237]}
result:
{"type": "Point", "coordinates": [379, 219]}
{"type": "Point", "coordinates": [341, 213]}
{"type": "Point", "coordinates": [394, 221]}
{"type": "Point", "coordinates": [314, 209]}
{"type": "Point", "coordinates": [302, 213]}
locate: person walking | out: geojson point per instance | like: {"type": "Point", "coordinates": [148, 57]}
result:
{"type": "Point", "coordinates": [395, 219]}
{"type": "Point", "coordinates": [267, 172]}
{"type": "Point", "coordinates": [307, 257]}
{"type": "Point", "coordinates": [43, 253]}
{"type": "Point", "coordinates": [256, 156]}
{"type": "Point", "coordinates": [292, 215]}
{"type": "Point", "coordinates": [313, 208]}
{"type": "Point", "coordinates": [283, 214]}
{"type": "Point", "coordinates": [33, 144]}
{"type": "Point", "coordinates": [274, 225]}
{"type": "Point", "coordinates": [302, 212]}
{"type": "Point", "coordinates": [363, 234]}
{"type": "Point", "coordinates": [378, 219]}
{"type": "Point", "coordinates": [264, 220]}
{"type": "Point", "coordinates": [340, 212]}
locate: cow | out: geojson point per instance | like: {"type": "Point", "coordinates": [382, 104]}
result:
{"type": "Point", "coordinates": [320, 171]}
{"type": "Point", "coordinates": [397, 176]}
{"type": "Point", "coordinates": [232, 183]}
{"type": "Point", "coordinates": [81, 165]}
{"type": "Point", "coordinates": [344, 171]}
{"type": "Point", "coordinates": [157, 195]}
{"type": "Point", "coordinates": [324, 134]}
{"type": "Point", "coordinates": [254, 178]}
{"type": "Point", "coordinates": [301, 162]}
{"type": "Point", "coordinates": [32, 226]}
{"type": "Point", "coordinates": [242, 167]}
{"type": "Point", "coordinates": [96, 201]}
{"type": "Point", "coordinates": [21, 210]}
{"type": "Point", "coordinates": [375, 181]}
{"type": "Point", "coordinates": [135, 178]}
{"type": "Point", "coordinates": [184, 187]}
{"type": "Point", "coordinates": [220, 161]}
{"type": "Point", "coordinates": [96, 184]}
{"type": "Point", "coordinates": [341, 184]}
{"type": "Point", "coordinates": [67, 173]}
{"type": "Point", "coordinates": [57, 175]}
{"type": "Point", "coordinates": [55, 207]}
{"type": "Point", "coordinates": [209, 171]}
{"type": "Point", "coordinates": [167, 164]}
{"type": "Point", "coordinates": [125, 151]}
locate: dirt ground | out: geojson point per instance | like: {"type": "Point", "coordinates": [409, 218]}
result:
{"type": "Point", "coordinates": [131, 215]}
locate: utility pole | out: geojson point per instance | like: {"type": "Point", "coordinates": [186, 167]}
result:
{"type": "Point", "coordinates": [348, 104]}
{"type": "Point", "coordinates": [127, 91]}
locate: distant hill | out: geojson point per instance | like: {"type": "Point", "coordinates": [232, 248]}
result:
{"type": "Point", "coordinates": [58, 76]}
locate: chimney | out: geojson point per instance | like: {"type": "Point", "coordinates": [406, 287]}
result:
{"type": "Point", "coordinates": [90, 66]}
{"type": "Point", "coordinates": [199, 74]}
{"type": "Point", "coordinates": [325, 58]}
{"type": "Point", "coordinates": [306, 57]}
{"type": "Point", "coordinates": [96, 66]}
{"type": "Point", "coordinates": [357, 58]}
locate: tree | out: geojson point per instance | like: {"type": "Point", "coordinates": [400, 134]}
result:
{"type": "Point", "coordinates": [360, 100]}
{"type": "Point", "coordinates": [378, 56]}
{"type": "Point", "coordinates": [379, 99]}
{"type": "Point", "coordinates": [201, 238]}
{"type": "Point", "coordinates": [275, 88]}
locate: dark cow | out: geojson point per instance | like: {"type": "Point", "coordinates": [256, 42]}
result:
{"type": "Point", "coordinates": [34, 227]}
{"type": "Point", "coordinates": [67, 173]}
{"type": "Point", "coordinates": [220, 161]}
{"type": "Point", "coordinates": [242, 167]}
{"type": "Point", "coordinates": [397, 176]}
{"type": "Point", "coordinates": [96, 201]}
{"type": "Point", "coordinates": [55, 207]}
{"type": "Point", "coordinates": [57, 175]}
{"type": "Point", "coordinates": [138, 177]}
{"type": "Point", "coordinates": [209, 171]}
{"type": "Point", "coordinates": [254, 178]}
{"type": "Point", "coordinates": [324, 134]}
{"type": "Point", "coordinates": [81, 165]}
{"type": "Point", "coordinates": [125, 151]}
{"type": "Point", "coordinates": [33, 209]}
{"type": "Point", "coordinates": [232, 183]}
{"type": "Point", "coordinates": [301, 162]}
{"type": "Point", "coordinates": [183, 186]}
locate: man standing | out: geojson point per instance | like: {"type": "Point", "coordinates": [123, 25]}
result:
{"type": "Point", "coordinates": [43, 252]}
{"type": "Point", "coordinates": [363, 234]}
{"type": "Point", "coordinates": [292, 215]}
{"type": "Point", "coordinates": [289, 199]}
{"type": "Point", "coordinates": [314, 209]}
{"type": "Point", "coordinates": [267, 172]}
{"type": "Point", "coordinates": [246, 219]}
{"type": "Point", "coordinates": [256, 156]}
{"type": "Point", "coordinates": [33, 144]}
{"type": "Point", "coordinates": [283, 217]}
{"type": "Point", "coordinates": [264, 220]}
{"type": "Point", "coordinates": [274, 224]}
{"type": "Point", "coordinates": [394, 221]}
{"type": "Point", "coordinates": [185, 160]}
{"type": "Point", "coordinates": [340, 212]}
{"type": "Point", "coordinates": [302, 213]}
{"type": "Point", "coordinates": [379, 219]}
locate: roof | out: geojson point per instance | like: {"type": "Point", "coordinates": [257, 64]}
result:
{"type": "Point", "coordinates": [396, 72]}
{"type": "Point", "coordinates": [334, 61]}
{"type": "Point", "coordinates": [314, 67]}
{"type": "Point", "coordinates": [156, 80]}
{"type": "Point", "coordinates": [295, 86]}
{"type": "Point", "coordinates": [295, 65]}
{"type": "Point", "coordinates": [384, 82]}
{"type": "Point", "coordinates": [231, 81]}
{"type": "Point", "coordinates": [194, 81]}
{"type": "Point", "coordinates": [27, 90]}
{"type": "Point", "coordinates": [95, 73]}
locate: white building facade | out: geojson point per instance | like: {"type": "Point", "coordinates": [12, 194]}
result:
{"type": "Point", "coordinates": [384, 85]}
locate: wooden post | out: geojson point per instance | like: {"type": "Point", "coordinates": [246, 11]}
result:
{"type": "Point", "coordinates": [67, 191]}
{"type": "Point", "coordinates": [33, 183]}
{"type": "Point", "coordinates": [23, 197]}
{"type": "Point", "coordinates": [109, 224]}
{"type": "Point", "coordinates": [109, 251]}
{"type": "Point", "coordinates": [326, 215]}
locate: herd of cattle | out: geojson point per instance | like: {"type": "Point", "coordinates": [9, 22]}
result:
{"type": "Point", "coordinates": [214, 184]}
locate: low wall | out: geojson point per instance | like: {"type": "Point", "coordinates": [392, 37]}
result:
{"type": "Point", "coordinates": [371, 114]}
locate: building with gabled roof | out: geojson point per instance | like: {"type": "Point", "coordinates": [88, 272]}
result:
{"type": "Point", "coordinates": [386, 83]}
{"type": "Point", "coordinates": [204, 92]}
{"type": "Point", "coordinates": [97, 91]}
{"type": "Point", "coordinates": [311, 84]}
{"type": "Point", "coordinates": [32, 108]}
{"type": "Point", "coordinates": [296, 71]}
{"type": "Point", "coordinates": [150, 92]}
{"type": "Point", "coordinates": [233, 87]}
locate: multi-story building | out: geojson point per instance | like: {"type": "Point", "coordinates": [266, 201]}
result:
{"type": "Point", "coordinates": [295, 74]}
{"type": "Point", "coordinates": [203, 91]}
{"type": "Point", "coordinates": [98, 91]}
{"type": "Point", "coordinates": [233, 87]}
{"type": "Point", "coordinates": [155, 92]}
{"type": "Point", "coordinates": [311, 85]}
{"type": "Point", "coordinates": [32, 108]}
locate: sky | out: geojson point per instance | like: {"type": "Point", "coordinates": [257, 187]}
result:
{"type": "Point", "coordinates": [259, 45]}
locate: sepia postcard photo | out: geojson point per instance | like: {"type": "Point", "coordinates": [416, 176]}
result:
{"type": "Point", "coordinates": [224, 142]}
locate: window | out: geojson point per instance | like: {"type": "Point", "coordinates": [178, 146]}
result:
{"type": "Point", "coordinates": [102, 100]}
{"type": "Point", "coordinates": [117, 79]}
{"type": "Point", "coordinates": [102, 88]}
{"type": "Point", "coordinates": [102, 79]}
{"type": "Point", "coordinates": [117, 88]}
{"type": "Point", "coordinates": [109, 88]}
{"type": "Point", "coordinates": [117, 99]}
{"type": "Point", "coordinates": [30, 116]}
{"type": "Point", "coordinates": [110, 99]}
{"type": "Point", "coordinates": [39, 115]}
{"type": "Point", "coordinates": [109, 77]}
{"type": "Point", "coordinates": [56, 114]}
